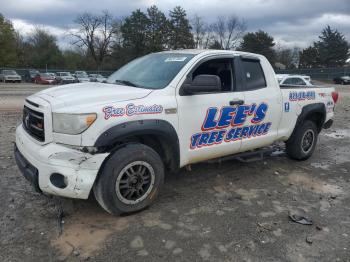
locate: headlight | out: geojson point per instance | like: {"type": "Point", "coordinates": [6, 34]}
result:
{"type": "Point", "coordinates": [72, 124]}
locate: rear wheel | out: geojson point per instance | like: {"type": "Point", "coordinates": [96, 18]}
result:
{"type": "Point", "coordinates": [130, 179]}
{"type": "Point", "coordinates": [303, 142]}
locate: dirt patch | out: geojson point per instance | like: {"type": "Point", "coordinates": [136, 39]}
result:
{"type": "Point", "coordinates": [86, 232]}
{"type": "Point", "coordinates": [311, 183]}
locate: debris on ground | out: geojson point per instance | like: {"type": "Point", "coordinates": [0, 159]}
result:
{"type": "Point", "coordinates": [309, 240]}
{"type": "Point", "coordinates": [301, 219]}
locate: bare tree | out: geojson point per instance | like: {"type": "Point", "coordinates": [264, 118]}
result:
{"type": "Point", "coordinates": [209, 36]}
{"type": "Point", "coordinates": [96, 34]}
{"type": "Point", "coordinates": [199, 30]}
{"type": "Point", "coordinates": [229, 31]}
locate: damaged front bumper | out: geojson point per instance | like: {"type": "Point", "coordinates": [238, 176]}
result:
{"type": "Point", "coordinates": [59, 170]}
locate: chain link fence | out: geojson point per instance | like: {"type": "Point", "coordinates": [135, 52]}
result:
{"type": "Point", "coordinates": [314, 73]}
{"type": "Point", "coordinates": [21, 71]}
{"type": "Point", "coordinates": [318, 73]}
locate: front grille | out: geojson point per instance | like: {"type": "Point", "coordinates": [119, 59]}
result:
{"type": "Point", "coordinates": [33, 123]}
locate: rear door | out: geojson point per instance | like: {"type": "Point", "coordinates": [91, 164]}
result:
{"type": "Point", "coordinates": [263, 97]}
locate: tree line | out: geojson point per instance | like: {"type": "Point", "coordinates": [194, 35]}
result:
{"type": "Point", "coordinates": [103, 42]}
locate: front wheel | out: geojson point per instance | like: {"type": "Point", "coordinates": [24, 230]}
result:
{"type": "Point", "coordinates": [303, 142]}
{"type": "Point", "coordinates": [130, 180]}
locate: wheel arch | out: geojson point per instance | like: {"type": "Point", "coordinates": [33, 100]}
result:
{"type": "Point", "coordinates": [160, 135]}
{"type": "Point", "coordinates": [314, 112]}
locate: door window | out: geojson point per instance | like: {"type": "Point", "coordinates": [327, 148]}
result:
{"type": "Point", "coordinates": [220, 67]}
{"type": "Point", "coordinates": [253, 74]}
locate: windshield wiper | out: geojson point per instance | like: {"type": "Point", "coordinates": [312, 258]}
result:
{"type": "Point", "coordinates": [126, 82]}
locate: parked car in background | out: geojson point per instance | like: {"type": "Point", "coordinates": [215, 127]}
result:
{"type": "Point", "coordinates": [280, 77]}
{"type": "Point", "coordinates": [54, 75]}
{"type": "Point", "coordinates": [295, 80]}
{"type": "Point", "coordinates": [45, 79]}
{"type": "Point", "coordinates": [65, 78]}
{"type": "Point", "coordinates": [81, 76]}
{"type": "Point", "coordinates": [307, 78]}
{"type": "Point", "coordinates": [30, 74]}
{"type": "Point", "coordinates": [10, 76]}
{"type": "Point", "coordinates": [97, 78]}
{"type": "Point", "coordinates": [342, 80]}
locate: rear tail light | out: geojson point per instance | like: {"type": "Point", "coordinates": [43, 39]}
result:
{"type": "Point", "coordinates": [335, 96]}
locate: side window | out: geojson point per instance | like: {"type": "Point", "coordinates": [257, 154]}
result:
{"type": "Point", "coordinates": [300, 82]}
{"type": "Point", "coordinates": [288, 81]}
{"type": "Point", "coordinates": [222, 67]}
{"type": "Point", "coordinates": [253, 74]}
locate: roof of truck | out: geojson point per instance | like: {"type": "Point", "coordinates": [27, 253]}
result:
{"type": "Point", "coordinates": [207, 51]}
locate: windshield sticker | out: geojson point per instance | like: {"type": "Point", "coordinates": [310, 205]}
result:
{"type": "Point", "coordinates": [228, 125]}
{"type": "Point", "coordinates": [130, 110]}
{"type": "Point", "coordinates": [176, 59]}
{"type": "Point", "coordinates": [302, 95]}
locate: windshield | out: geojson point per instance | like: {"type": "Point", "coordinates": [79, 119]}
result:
{"type": "Point", "coordinates": [65, 74]}
{"type": "Point", "coordinates": [45, 75]}
{"type": "Point", "coordinates": [154, 71]}
{"type": "Point", "coordinates": [81, 75]}
{"type": "Point", "coordinates": [9, 72]}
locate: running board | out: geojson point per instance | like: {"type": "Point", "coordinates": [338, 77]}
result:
{"type": "Point", "coordinates": [247, 157]}
{"type": "Point", "coordinates": [253, 156]}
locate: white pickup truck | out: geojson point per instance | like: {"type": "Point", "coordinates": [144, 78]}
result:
{"type": "Point", "coordinates": [157, 114]}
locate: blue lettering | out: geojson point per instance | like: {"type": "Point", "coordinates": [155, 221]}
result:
{"type": "Point", "coordinates": [241, 115]}
{"type": "Point", "coordinates": [212, 137]}
{"type": "Point", "coordinates": [209, 122]}
{"type": "Point", "coordinates": [194, 140]}
{"type": "Point", "coordinates": [245, 131]}
{"type": "Point", "coordinates": [220, 136]}
{"type": "Point", "coordinates": [260, 113]}
{"type": "Point", "coordinates": [237, 133]}
{"type": "Point", "coordinates": [230, 134]}
{"type": "Point", "coordinates": [204, 139]}
{"type": "Point", "coordinates": [226, 116]}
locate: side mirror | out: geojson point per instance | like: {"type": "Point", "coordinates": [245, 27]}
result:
{"type": "Point", "coordinates": [202, 84]}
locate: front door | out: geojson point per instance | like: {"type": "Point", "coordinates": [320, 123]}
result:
{"type": "Point", "coordinates": [205, 120]}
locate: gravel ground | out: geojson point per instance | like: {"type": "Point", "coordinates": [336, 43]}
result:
{"type": "Point", "coordinates": [228, 211]}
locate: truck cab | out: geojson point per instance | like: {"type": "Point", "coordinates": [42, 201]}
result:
{"type": "Point", "coordinates": [157, 114]}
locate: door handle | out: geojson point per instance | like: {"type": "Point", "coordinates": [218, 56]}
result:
{"type": "Point", "coordinates": [236, 102]}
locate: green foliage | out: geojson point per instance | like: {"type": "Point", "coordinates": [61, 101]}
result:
{"type": "Point", "coordinates": [309, 58]}
{"type": "Point", "coordinates": [43, 50]}
{"type": "Point", "coordinates": [180, 30]}
{"type": "Point", "coordinates": [8, 55]}
{"type": "Point", "coordinates": [259, 42]}
{"type": "Point", "coordinates": [134, 31]}
{"type": "Point", "coordinates": [332, 50]}
{"type": "Point", "coordinates": [158, 30]}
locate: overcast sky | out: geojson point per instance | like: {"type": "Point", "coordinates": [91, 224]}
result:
{"type": "Point", "coordinates": [290, 22]}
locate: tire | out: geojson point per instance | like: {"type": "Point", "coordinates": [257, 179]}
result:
{"type": "Point", "coordinates": [119, 190]}
{"type": "Point", "coordinates": [303, 142]}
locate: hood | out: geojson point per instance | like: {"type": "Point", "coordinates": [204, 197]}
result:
{"type": "Point", "coordinates": [92, 93]}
